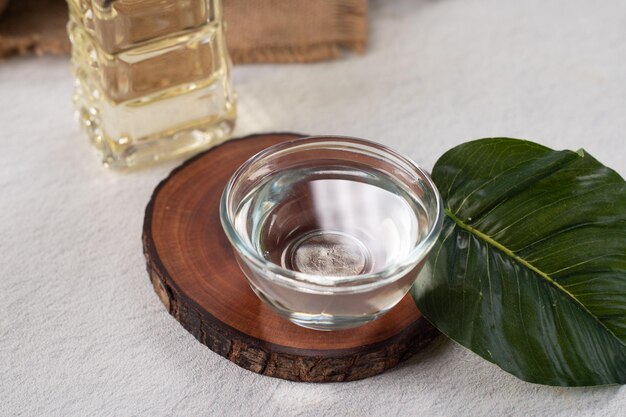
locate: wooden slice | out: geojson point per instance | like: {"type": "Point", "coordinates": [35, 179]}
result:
{"type": "Point", "coordinates": [194, 272]}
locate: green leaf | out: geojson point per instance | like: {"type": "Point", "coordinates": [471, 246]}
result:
{"type": "Point", "coordinates": [530, 268]}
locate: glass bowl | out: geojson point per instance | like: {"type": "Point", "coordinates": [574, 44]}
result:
{"type": "Point", "coordinates": [331, 232]}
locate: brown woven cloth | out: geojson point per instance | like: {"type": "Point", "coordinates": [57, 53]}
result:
{"type": "Point", "coordinates": [257, 30]}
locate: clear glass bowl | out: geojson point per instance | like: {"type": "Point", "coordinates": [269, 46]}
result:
{"type": "Point", "coordinates": [331, 231]}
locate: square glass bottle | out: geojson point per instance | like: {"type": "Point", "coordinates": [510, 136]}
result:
{"type": "Point", "coordinates": [152, 77]}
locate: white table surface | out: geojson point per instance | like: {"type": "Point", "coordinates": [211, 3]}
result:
{"type": "Point", "coordinates": [81, 330]}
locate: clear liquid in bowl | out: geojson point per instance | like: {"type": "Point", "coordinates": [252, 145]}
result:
{"type": "Point", "coordinates": [332, 222]}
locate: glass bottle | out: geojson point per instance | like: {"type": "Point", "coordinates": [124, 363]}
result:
{"type": "Point", "coordinates": [152, 77]}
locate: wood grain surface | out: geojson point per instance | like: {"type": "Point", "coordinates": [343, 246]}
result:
{"type": "Point", "coordinates": [194, 272]}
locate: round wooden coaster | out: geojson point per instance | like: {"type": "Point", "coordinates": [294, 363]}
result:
{"type": "Point", "coordinates": [195, 274]}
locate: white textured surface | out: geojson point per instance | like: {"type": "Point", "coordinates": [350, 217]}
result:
{"type": "Point", "coordinates": [81, 331]}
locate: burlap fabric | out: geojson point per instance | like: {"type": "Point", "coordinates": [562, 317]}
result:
{"type": "Point", "coordinates": [257, 30]}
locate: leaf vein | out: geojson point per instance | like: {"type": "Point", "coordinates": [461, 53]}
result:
{"type": "Point", "coordinates": [491, 241]}
{"type": "Point", "coordinates": [595, 190]}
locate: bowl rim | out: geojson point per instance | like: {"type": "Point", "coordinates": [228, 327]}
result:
{"type": "Point", "coordinates": [329, 284]}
